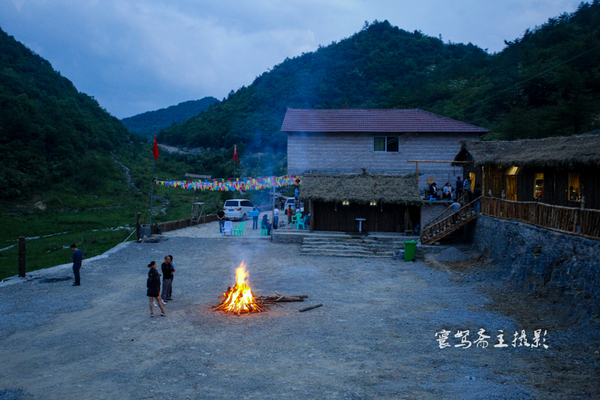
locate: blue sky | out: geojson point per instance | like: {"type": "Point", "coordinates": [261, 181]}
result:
{"type": "Point", "coordinates": [141, 55]}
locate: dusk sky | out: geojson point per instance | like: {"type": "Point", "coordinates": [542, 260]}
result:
{"type": "Point", "coordinates": [134, 56]}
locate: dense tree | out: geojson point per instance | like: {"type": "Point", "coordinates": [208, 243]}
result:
{"type": "Point", "coordinates": [48, 130]}
{"type": "Point", "coordinates": [150, 123]}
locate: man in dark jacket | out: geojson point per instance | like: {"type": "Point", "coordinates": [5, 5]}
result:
{"type": "Point", "coordinates": [459, 187]}
{"type": "Point", "coordinates": [167, 270]}
{"type": "Point", "coordinates": [77, 258]}
{"type": "Point", "coordinates": [221, 217]}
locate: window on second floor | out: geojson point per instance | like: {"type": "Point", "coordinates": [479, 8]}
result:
{"type": "Point", "coordinates": [385, 143]}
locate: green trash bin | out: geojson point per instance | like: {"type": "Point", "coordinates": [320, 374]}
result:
{"type": "Point", "coordinates": [409, 250]}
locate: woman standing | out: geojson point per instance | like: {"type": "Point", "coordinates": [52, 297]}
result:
{"type": "Point", "coordinates": [154, 289]}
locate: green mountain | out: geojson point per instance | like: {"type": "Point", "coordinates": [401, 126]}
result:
{"type": "Point", "coordinates": [543, 84]}
{"type": "Point", "coordinates": [152, 122]}
{"type": "Point", "coordinates": [50, 133]}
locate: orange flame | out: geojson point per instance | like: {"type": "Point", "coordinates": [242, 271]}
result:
{"type": "Point", "coordinates": [239, 298]}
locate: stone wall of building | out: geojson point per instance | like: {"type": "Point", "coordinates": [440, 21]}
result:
{"type": "Point", "coordinates": [542, 260]}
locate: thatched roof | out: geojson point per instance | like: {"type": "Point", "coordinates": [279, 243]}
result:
{"type": "Point", "coordinates": [362, 188]}
{"type": "Point", "coordinates": [557, 152]}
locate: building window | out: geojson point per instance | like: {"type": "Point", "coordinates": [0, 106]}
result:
{"type": "Point", "coordinates": [512, 171]}
{"type": "Point", "coordinates": [574, 187]}
{"type": "Point", "coordinates": [385, 143]}
{"type": "Point", "coordinates": [538, 186]}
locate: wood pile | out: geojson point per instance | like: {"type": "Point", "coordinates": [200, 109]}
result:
{"type": "Point", "coordinates": [258, 303]}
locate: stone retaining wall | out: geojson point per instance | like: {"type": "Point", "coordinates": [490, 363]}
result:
{"type": "Point", "coordinates": [541, 260]}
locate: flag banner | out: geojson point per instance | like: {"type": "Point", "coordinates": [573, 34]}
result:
{"type": "Point", "coordinates": [155, 149]}
{"type": "Point", "coordinates": [235, 158]}
{"type": "Point", "coordinates": [231, 185]}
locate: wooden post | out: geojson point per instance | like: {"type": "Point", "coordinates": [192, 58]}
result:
{"type": "Point", "coordinates": [417, 173]}
{"type": "Point", "coordinates": [580, 219]}
{"type": "Point", "coordinates": [22, 268]}
{"type": "Point", "coordinates": [138, 227]}
{"type": "Point", "coordinates": [273, 209]}
{"type": "Point", "coordinates": [312, 216]}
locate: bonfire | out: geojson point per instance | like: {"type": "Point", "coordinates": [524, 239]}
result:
{"type": "Point", "coordinates": [239, 298]}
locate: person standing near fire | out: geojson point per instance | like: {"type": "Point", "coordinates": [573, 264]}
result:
{"type": "Point", "coordinates": [167, 269]}
{"type": "Point", "coordinates": [153, 291]}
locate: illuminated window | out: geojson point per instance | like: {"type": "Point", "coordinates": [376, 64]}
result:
{"type": "Point", "coordinates": [538, 186]}
{"type": "Point", "coordinates": [512, 171]}
{"type": "Point", "coordinates": [574, 187]}
{"type": "Point", "coordinates": [385, 143]}
{"type": "Point", "coordinates": [345, 203]}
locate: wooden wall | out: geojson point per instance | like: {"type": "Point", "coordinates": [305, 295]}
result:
{"type": "Point", "coordinates": [392, 219]}
{"type": "Point", "coordinates": [556, 185]}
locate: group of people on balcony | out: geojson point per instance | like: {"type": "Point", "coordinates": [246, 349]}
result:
{"type": "Point", "coordinates": [447, 192]}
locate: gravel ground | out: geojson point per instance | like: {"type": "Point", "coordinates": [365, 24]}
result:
{"type": "Point", "coordinates": [373, 338]}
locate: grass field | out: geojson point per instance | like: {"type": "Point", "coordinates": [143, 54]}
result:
{"type": "Point", "coordinates": [99, 219]}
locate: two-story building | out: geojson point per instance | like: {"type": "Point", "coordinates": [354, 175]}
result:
{"type": "Point", "coordinates": [340, 151]}
{"type": "Point", "coordinates": [381, 141]}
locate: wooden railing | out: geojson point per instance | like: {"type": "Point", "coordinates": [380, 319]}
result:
{"type": "Point", "coordinates": [442, 226]}
{"type": "Point", "coordinates": [577, 221]}
{"type": "Point", "coordinates": [449, 210]}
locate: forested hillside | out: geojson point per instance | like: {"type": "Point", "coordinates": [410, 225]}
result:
{"type": "Point", "coordinates": [50, 133]}
{"type": "Point", "coordinates": [528, 90]}
{"type": "Point", "coordinates": [150, 123]}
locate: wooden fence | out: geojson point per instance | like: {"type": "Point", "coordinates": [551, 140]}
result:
{"type": "Point", "coordinates": [576, 221]}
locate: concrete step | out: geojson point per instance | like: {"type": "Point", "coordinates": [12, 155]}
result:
{"type": "Point", "coordinates": [351, 247]}
{"type": "Point", "coordinates": [345, 254]}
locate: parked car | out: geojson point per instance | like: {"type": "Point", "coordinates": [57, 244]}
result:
{"type": "Point", "coordinates": [238, 208]}
{"type": "Point", "coordinates": [292, 202]}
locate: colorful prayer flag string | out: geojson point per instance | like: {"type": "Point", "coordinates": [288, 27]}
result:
{"type": "Point", "coordinates": [242, 184]}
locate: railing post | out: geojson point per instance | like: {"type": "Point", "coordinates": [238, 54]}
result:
{"type": "Point", "coordinates": [138, 227]}
{"type": "Point", "coordinates": [22, 269]}
{"type": "Point", "coordinates": [580, 219]}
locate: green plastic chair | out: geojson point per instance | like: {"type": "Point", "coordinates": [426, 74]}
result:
{"type": "Point", "coordinates": [299, 221]}
{"type": "Point", "coordinates": [263, 230]}
{"type": "Point", "coordinates": [294, 219]}
{"type": "Point", "coordinates": [239, 230]}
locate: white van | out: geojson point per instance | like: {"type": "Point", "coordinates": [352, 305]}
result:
{"type": "Point", "coordinates": [292, 202]}
{"type": "Point", "coordinates": [237, 208]}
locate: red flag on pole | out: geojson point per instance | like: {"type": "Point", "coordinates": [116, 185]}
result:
{"type": "Point", "coordinates": [155, 149]}
{"type": "Point", "coordinates": [235, 153]}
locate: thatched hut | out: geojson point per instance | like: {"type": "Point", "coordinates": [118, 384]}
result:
{"type": "Point", "coordinates": [384, 203]}
{"type": "Point", "coordinates": [557, 170]}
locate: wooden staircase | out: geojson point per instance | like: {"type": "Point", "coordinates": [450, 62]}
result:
{"type": "Point", "coordinates": [448, 222]}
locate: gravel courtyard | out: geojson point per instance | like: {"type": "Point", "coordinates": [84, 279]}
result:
{"type": "Point", "coordinates": [373, 338]}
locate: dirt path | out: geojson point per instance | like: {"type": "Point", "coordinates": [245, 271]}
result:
{"type": "Point", "coordinates": [374, 337]}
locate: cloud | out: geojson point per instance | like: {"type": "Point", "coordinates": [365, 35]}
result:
{"type": "Point", "coordinates": [140, 55]}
